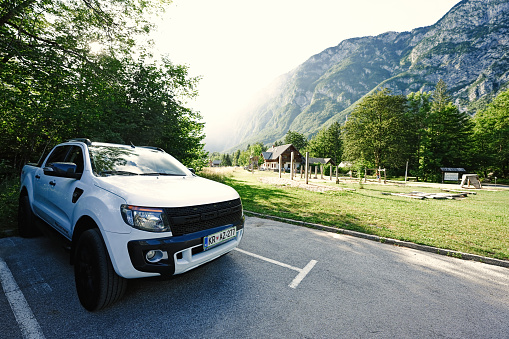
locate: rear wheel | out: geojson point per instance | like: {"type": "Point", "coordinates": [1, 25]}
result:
{"type": "Point", "coordinates": [26, 219]}
{"type": "Point", "coordinates": [97, 283]}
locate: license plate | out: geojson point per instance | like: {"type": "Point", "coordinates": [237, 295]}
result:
{"type": "Point", "coordinates": [219, 238]}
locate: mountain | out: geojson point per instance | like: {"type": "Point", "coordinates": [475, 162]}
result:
{"type": "Point", "coordinates": [468, 48]}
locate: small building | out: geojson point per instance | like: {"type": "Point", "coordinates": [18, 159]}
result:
{"type": "Point", "coordinates": [215, 163]}
{"type": "Point", "coordinates": [321, 161]}
{"type": "Point", "coordinates": [452, 173]}
{"type": "Point", "coordinates": [272, 155]}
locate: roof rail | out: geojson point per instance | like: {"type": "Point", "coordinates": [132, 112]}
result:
{"type": "Point", "coordinates": [154, 148]}
{"type": "Point", "coordinates": [85, 140]}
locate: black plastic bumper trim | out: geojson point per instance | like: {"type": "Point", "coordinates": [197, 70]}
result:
{"type": "Point", "coordinates": [172, 245]}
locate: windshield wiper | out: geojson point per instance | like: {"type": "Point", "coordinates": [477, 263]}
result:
{"type": "Point", "coordinates": [117, 173]}
{"type": "Point", "coordinates": [160, 173]}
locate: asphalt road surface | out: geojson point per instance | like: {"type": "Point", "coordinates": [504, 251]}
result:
{"type": "Point", "coordinates": [285, 281]}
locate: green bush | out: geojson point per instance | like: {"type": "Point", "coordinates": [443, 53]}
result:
{"type": "Point", "coordinates": [9, 191]}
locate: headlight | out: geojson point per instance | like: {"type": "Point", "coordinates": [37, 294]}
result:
{"type": "Point", "coordinates": [145, 218]}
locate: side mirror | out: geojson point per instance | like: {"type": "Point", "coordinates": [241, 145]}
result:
{"type": "Point", "coordinates": [192, 170]}
{"type": "Point", "coordinates": [63, 170]}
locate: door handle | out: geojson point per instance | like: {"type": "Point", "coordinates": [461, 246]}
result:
{"type": "Point", "coordinates": [37, 176]}
{"type": "Point", "coordinates": [52, 183]}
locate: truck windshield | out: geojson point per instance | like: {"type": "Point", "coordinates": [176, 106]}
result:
{"type": "Point", "coordinates": [120, 160]}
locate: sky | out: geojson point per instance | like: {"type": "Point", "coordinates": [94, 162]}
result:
{"type": "Point", "coordinates": [239, 47]}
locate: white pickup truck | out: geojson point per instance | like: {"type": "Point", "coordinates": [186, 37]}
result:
{"type": "Point", "coordinates": [128, 212]}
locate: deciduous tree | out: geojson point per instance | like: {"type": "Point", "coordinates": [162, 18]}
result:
{"type": "Point", "coordinates": [375, 132]}
{"type": "Point", "coordinates": [53, 86]}
{"type": "Point", "coordinates": [491, 134]}
{"type": "Point", "coordinates": [327, 143]}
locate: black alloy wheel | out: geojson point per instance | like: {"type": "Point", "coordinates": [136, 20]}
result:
{"type": "Point", "coordinates": [97, 283]}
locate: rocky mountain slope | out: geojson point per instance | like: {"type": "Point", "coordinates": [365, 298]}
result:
{"type": "Point", "coordinates": [468, 48]}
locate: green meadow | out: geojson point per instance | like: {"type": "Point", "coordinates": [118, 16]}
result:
{"type": "Point", "coordinates": [477, 224]}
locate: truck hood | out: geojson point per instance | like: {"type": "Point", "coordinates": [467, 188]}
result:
{"type": "Point", "coordinates": [165, 191]}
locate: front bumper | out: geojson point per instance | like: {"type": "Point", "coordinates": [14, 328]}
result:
{"type": "Point", "coordinates": [184, 252]}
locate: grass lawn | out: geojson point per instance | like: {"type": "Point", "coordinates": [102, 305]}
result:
{"type": "Point", "coordinates": [478, 224]}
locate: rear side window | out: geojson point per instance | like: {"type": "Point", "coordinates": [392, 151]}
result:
{"type": "Point", "coordinates": [76, 156]}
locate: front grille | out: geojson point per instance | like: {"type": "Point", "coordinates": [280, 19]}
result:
{"type": "Point", "coordinates": [186, 220]}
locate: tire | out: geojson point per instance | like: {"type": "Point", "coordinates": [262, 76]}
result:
{"type": "Point", "coordinates": [97, 283]}
{"type": "Point", "coordinates": [27, 227]}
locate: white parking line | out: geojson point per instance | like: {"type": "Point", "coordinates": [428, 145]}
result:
{"type": "Point", "coordinates": [302, 271]}
{"type": "Point", "coordinates": [26, 320]}
{"type": "Point", "coordinates": [302, 274]}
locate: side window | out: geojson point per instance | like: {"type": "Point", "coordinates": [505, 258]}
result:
{"type": "Point", "coordinates": [58, 154]}
{"type": "Point", "coordinates": [76, 156]}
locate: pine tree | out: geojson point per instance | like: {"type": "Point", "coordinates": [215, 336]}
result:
{"type": "Point", "coordinates": [446, 141]}
{"type": "Point", "coordinates": [298, 140]}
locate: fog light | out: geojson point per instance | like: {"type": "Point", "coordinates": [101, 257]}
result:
{"type": "Point", "coordinates": [154, 256]}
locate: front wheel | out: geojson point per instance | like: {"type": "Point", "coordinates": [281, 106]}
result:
{"type": "Point", "coordinates": [97, 283]}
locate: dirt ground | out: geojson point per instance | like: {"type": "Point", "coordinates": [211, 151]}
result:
{"type": "Point", "coordinates": [322, 185]}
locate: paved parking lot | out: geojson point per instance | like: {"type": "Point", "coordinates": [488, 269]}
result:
{"type": "Point", "coordinates": [285, 281]}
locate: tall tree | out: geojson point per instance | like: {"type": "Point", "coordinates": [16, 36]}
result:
{"type": "Point", "coordinates": [298, 140]}
{"type": "Point", "coordinates": [256, 151]}
{"type": "Point", "coordinates": [375, 133]}
{"type": "Point", "coordinates": [447, 139]}
{"type": "Point", "coordinates": [226, 160]}
{"type": "Point", "coordinates": [53, 86]}
{"type": "Point", "coordinates": [30, 29]}
{"type": "Point", "coordinates": [491, 134]}
{"type": "Point", "coordinates": [244, 158]}
{"type": "Point", "coordinates": [327, 143]}
{"type": "Point", "coordinates": [236, 157]}
{"type": "Point", "coordinates": [419, 108]}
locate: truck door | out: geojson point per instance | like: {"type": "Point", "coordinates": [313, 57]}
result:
{"type": "Point", "coordinates": [45, 184]}
{"type": "Point", "coordinates": [65, 192]}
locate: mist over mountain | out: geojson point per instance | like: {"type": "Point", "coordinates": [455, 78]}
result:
{"type": "Point", "coordinates": [468, 48]}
